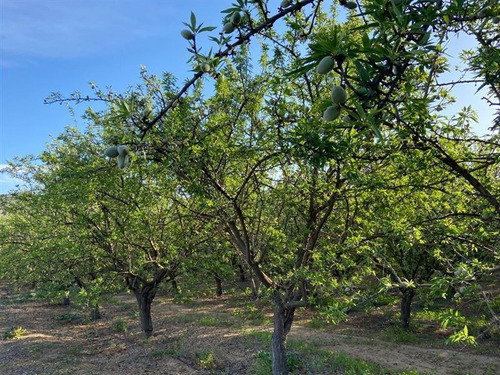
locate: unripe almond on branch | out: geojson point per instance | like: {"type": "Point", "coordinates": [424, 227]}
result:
{"type": "Point", "coordinates": [338, 95]}
{"type": "Point", "coordinates": [286, 3]}
{"type": "Point", "coordinates": [325, 65]}
{"type": "Point", "coordinates": [122, 150]}
{"type": "Point", "coordinates": [122, 161]}
{"type": "Point", "coordinates": [111, 152]}
{"type": "Point", "coordinates": [347, 119]}
{"type": "Point", "coordinates": [228, 28]}
{"type": "Point", "coordinates": [186, 34]}
{"type": "Point", "coordinates": [331, 113]}
{"type": "Point", "coordinates": [236, 18]}
{"type": "Point", "coordinates": [350, 5]}
{"type": "Point", "coordinates": [205, 67]}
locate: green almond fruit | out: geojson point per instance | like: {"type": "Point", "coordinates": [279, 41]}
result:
{"type": "Point", "coordinates": [331, 113]}
{"type": "Point", "coordinates": [122, 161]}
{"type": "Point", "coordinates": [350, 5]}
{"type": "Point", "coordinates": [186, 34]}
{"type": "Point", "coordinates": [338, 95]}
{"type": "Point", "coordinates": [236, 18]}
{"type": "Point", "coordinates": [228, 28]}
{"type": "Point", "coordinates": [111, 152]}
{"type": "Point", "coordinates": [206, 67]}
{"type": "Point", "coordinates": [286, 3]}
{"type": "Point", "coordinates": [347, 119]}
{"type": "Point", "coordinates": [496, 20]}
{"type": "Point", "coordinates": [325, 65]}
{"type": "Point", "coordinates": [122, 150]}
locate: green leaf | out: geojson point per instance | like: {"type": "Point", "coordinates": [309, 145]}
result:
{"type": "Point", "coordinates": [208, 28]}
{"type": "Point", "coordinates": [193, 20]}
{"type": "Point", "coordinates": [365, 77]}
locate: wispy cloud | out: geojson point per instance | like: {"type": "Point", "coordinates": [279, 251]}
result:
{"type": "Point", "coordinates": [7, 182]}
{"type": "Point", "coordinates": [75, 28]}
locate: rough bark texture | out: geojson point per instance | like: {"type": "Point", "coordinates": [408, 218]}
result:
{"type": "Point", "coordinates": [218, 286]}
{"type": "Point", "coordinates": [406, 300]}
{"type": "Point", "coordinates": [283, 319]}
{"type": "Point", "coordinates": [144, 298]}
{"type": "Point", "coordinates": [95, 312]}
{"type": "Point", "coordinates": [175, 287]}
{"type": "Point", "coordinates": [241, 272]}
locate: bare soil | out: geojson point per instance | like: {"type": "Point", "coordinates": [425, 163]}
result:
{"type": "Point", "coordinates": [60, 341]}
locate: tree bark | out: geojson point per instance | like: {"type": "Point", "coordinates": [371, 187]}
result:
{"type": "Point", "coordinates": [175, 287]}
{"type": "Point", "coordinates": [283, 319]}
{"type": "Point", "coordinates": [406, 300]}
{"type": "Point", "coordinates": [95, 312]}
{"type": "Point", "coordinates": [241, 272]}
{"type": "Point", "coordinates": [218, 286]}
{"type": "Point", "coordinates": [144, 298]}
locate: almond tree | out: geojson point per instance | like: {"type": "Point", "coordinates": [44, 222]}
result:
{"type": "Point", "coordinates": [280, 126]}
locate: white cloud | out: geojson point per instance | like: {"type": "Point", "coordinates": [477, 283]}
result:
{"type": "Point", "coordinates": [7, 182]}
{"type": "Point", "coordinates": [75, 28]}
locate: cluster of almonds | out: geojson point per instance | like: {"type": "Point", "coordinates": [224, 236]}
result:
{"type": "Point", "coordinates": [337, 95]}
{"type": "Point", "coordinates": [233, 23]}
{"type": "Point", "coordinates": [119, 152]}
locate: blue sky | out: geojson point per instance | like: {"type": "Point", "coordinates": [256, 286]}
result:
{"type": "Point", "coordinates": [61, 45]}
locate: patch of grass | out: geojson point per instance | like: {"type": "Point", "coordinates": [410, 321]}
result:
{"type": "Point", "coordinates": [173, 347]}
{"type": "Point", "coordinates": [308, 359]}
{"type": "Point", "coordinates": [259, 336]}
{"type": "Point", "coordinates": [31, 296]}
{"type": "Point", "coordinates": [206, 360]}
{"type": "Point", "coordinates": [15, 333]}
{"type": "Point", "coordinates": [122, 304]}
{"type": "Point", "coordinates": [399, 335]}
{"type": "Point", "coordinates": [69, 317]}
{"type": "Point", "coordinates": [119, 325]}
{"type": "Point", "coordinates": [385, 300]}
{"type": "Point", "coordinates": [263, 362]}
{"type": "Point", "coordinates": [211, 321]}
{"type": "Point", "coordinates": [317, 323]}
{"type": "Point", "coordinates": [205, 320]}
{"type": "Point", "coordinates": [73, 351]}
{"type": "Point", "coordinates": [183, 299]}
{"type": "Point", "coordinates": [252, 314]}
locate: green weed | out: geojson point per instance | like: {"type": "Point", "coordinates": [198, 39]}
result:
{"type": "Point", "coordinates": [120, 325]}
{"type": "Point", "coordinates": [317, 323]}
{"type": "Point", "coordinates": [15, 333]}
{"type": "Point", "coordinates": [399, 335]}
{"type": "Point", "coordinates": [206, 360]}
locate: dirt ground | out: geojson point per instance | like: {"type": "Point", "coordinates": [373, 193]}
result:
{"type": "Point", "coordinates": [59, 341]}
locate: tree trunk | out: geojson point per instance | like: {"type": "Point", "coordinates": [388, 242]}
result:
{"type": "Point", "coordinates": [241, 273]}
{"type": "Point", "coordinates": [255, 285]}
{"type": "Point", "coordinates": [144, 298]}
{"type": "Point", "coordinates": [406, 299]}
{"type": "Point", "coordinates": [95, 312]}
{"type": "Point", "coordinates": [175, 287]}
{"type": "Point", "coordinates": [65, 301]}
{"type": "Point", "coordinates": [283, 319]}
{"type": "Point", "coordinates": [218, 286]}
